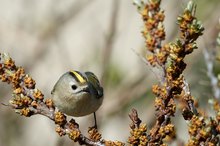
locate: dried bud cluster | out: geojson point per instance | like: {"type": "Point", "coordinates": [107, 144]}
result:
{"type": "Point", "coordinates": [153, 32]}
{"type": "Point", "coordinates": [74, 135]}
{"type": "Point", "coordinates": [60, 118]}
{"type": "Point", "coordinates": [190, 27]}
{"type": "Point", "coordinates": [138, 135]}
{"type": "Point", "coordinates": [113, 143]}
{"type": "Point", "coordinates": [203, 131]}
{"type": "Point", "coordinates": [94, 134]}
{"type": "Point", "coordinates": [23, 86]}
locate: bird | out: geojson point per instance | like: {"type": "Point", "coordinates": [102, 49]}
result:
{"type": "Point", "coordinates": [78, 94]}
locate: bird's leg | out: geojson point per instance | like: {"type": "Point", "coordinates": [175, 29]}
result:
{"type": "Point", "coordinates": [95, 126]}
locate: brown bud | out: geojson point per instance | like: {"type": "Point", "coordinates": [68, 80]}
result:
{"type": "Point", "coordinates": [34, 104]}
{"type": "Point", "coordinates": [60, 131]}
{"type": "Point", "coordinates": [74, 135]}
{"type": "Point", "coordinates": [9, 63]}
{"type": "Point", "coordinates": [29, 82]}
{"type": "Point", "coordinates": [94, 134]}
{"type": "Point", "coordinates": [25, 112]}
{"type": "Point", "coordinates": [38, 95]}
{"type": "Point", "coordinates": [18, 90]}
{"type": "Point", "coordinates": [60, 118]}
{"type": "Point", "coordinates": [49, 103]}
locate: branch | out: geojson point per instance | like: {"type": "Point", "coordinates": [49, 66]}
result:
{"type": "Point", "coordinates": [29, 101]}
{"type": "Point", "coordinates": [170, 57]}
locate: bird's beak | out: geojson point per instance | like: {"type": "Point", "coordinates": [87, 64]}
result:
{"type": "Point", "coordinates": [86, 89]}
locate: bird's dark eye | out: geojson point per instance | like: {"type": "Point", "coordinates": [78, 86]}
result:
{"type": "Point", "coordinates": [74, 87]}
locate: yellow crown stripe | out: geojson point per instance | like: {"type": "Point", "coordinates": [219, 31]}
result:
{"type": "Point", "coordinates": [79, 76]}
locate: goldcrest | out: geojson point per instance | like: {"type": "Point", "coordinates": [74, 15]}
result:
{"type": "Point", "coordinates": [77, 93]}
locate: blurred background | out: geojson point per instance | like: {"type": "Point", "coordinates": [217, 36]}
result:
{"type": "Point", "coordinates": [50, 37]}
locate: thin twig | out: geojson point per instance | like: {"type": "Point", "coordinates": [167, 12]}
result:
{"type": "Point", "coordinates": [209, 61]}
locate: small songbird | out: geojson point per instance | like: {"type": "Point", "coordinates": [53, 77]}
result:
{"type": "Point", "coordinates": [78, 94]}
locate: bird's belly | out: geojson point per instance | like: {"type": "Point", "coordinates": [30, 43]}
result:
{"type": "Point", "coordinates": [80, 106]}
